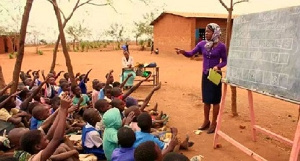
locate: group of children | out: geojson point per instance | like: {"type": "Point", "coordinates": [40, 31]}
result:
{"type": "Point", "coordinates": [113, 125]}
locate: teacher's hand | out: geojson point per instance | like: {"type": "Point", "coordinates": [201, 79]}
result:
{"type": "Point", "coordinates": [179, 51]}
{"type": "Point", "coordinates": [215, 68]}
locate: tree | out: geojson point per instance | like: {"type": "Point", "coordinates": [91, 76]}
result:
{"type": "Point", "coordinates": [143, 27]}
{"type": "Point", "coordinates": [20, 55]}
{"type": "Point", "coordinates": [64, 43]}
{"type": "Point", "coordinates": [227, 42]}
{"type": "Point", "coordinates": [2, 81]}
{"type": "Point", "coordinates": [139, 30]}
{"type": "Point", "coordinates": [66, 19]}
{"type": "Point", "coordinates": [77, 32]}
{"type": "Point", "coordinates": [116, 32]}
{"type": "Point", "coordinates": [78, 4]}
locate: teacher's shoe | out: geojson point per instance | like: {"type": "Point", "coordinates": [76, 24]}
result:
{"type": "Point", "coordinates": [204, 127]}
{"type": "Point", "coordinates": [212, 129]}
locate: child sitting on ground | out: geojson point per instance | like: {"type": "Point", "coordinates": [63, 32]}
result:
{"type": "Point", "coordinates": [112, 121]}
{"type": "Point", "coordinates": [91, 138]}
{"type": "Point", "coordinates": [65, 87]}
{"type": "Point", "coordinates": [8, 112]}
{"type": "Point", "coordinates": [14, 137]}
{"type": "Point", "coordinates": [97, 86]}
{"type": "Point", "coordinates": [116, 92]}
{"type": "Point", "coordinates": [84, 78]}
{"type": "Point", "coordinates": [35, 142]}
{"type": "Point", "coordinates": [39, 114]}
{"type": "Point", "coordinates": [126, 138]}
{"type": "Point", "coordinates": [148, 151]}
{"type": "Point", "coordinates": [79, 99]}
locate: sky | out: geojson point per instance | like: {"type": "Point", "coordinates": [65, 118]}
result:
{"type": "Point", "coordinates": [98, 19]}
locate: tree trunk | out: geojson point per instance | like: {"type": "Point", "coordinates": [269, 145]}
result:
{"type": "Point", "coordinates": [55, 54]}
{"type": "Point", "coordinates": [2, 81]}
{"type": "Point", "coordinates": [74, 45]}
{"type": "Point", "coordinates": [58, 38]}
{"type": "Point", "coordinates": [227, 42]}
{"type": "Point", "coordinates": [19, 60]}
{"type": "Point", "coordinates": [136, 41]}
{"type": "Point", "coordinates": [64, 44]}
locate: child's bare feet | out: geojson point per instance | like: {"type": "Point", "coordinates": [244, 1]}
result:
{"type": "Point", "coordinates": [186, 143]}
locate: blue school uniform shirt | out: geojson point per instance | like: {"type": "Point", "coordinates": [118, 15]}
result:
{"type": "Point", "coordinates": [101, 94]}
{"type": "Point", "coordinates": [123, 154]}
{"type": "Point", "coordinates": [97, 151]}
{"type": "Point", "coordinates": [142, 137]}
{"type": "Point", "coordinates": [83, 87]}
{"type": "Point", "coordinates": [59, 91]}
{"type": "Point", "coordinates": [35, 123]}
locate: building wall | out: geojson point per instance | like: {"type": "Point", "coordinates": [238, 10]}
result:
{"type": "Point", "coordinates": [173, 31]}
{"type": "Point", "coordinates": [9, 43]}
{"type": "Point", "coordinates": [2, 47]}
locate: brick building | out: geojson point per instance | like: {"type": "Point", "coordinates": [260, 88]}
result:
{"type": "Point", "coordinates": [9, 43]}
{"type": "Point", "coordinates": [183, 30]}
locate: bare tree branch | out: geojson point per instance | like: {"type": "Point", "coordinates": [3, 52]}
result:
{"type": "Point", "coordinates": [94, 4]}
{"type": "Point", "coordinates": [224, 5]}
{"type": "Point", "coordinates": [241, 1]}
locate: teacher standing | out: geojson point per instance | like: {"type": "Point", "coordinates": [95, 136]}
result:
{"type": "Point", "coordinates": [215, 57]}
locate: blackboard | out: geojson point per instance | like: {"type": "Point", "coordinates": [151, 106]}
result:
{"type": "Point", "coordinates": [264, 53]}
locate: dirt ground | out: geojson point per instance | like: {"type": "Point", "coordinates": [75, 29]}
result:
{"type": "Point", "coordinates": [180, 97]}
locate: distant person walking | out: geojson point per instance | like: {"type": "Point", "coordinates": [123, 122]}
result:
{"type": "Point", "coordinates": [215, 57]}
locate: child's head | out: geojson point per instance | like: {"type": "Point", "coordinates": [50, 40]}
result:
{"type": "Point", "coordinates": [91, 116]}
{"type": "Point", "coordinates": [82, 77]}
{"type": "Point", "coordinates": [147, 151]}
{"type": "Point", "coordinates": [116, 84]}
{"type": "Point", "coordinates": [126, 137]}
{"type": "Point", "coordinates": [97, 85]}
{"type": "Point", "coordinates": [144, 122]}
{"type": "Point", "coordinates": [36, 73]}
{"type": "Point", "coordinates": [34, 141]}
{"type": "Point", "coordinates": [15, 135]}
{"type": "Point", "coordinates": [76, 90]}
{"type": "Point", "coordinates": [28, 81]}
{"type": "Point", "coordinates": [66, 76]}
{"type": "Point", "coordinates": [62, 80]}
{"type": "Point", "coordinates": [102, 105]}
{"type": "Point", "coordinates": [10, 104]}
{"type": "Point", "coordinates": [40, 112]}
{"type": "Point", "coordinates": [51, 80]}
{"type": "Point", "coordinates": [136, 111]}
{"type": "Point", "coordinates": [116, 92]}
{"type": "Point", "coordinates": [175, 157]}
{"type": "Point", "coordinates": [117, 103]}
{"type": "Point", "coordinates": [24, 93]}
{"type": "Point", "coordinates": [107, 91]}
{"type": "Point", "coordinates": [55, 103]}
{"type": "Point", "coordinates": [65, 86]}
{"type": "Point", "coordinates": [31, 106]}
{"type": "Point", "coordinates": [110, 79]}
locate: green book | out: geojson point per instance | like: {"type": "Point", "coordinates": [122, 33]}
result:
{"type": "Point", "coordinates": [214, 76]}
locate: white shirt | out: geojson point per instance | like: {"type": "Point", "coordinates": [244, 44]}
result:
{"type": "Point", "coordinates": [125, 63]}
{"type": "Point", "coordinates": [92, 138]}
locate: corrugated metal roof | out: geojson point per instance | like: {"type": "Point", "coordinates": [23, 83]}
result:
{"type": "Point", "coordinates": [192, 15]}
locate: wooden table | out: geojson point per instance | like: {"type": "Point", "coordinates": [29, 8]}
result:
{"type": "Point", "coordinates": [154, 76]}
